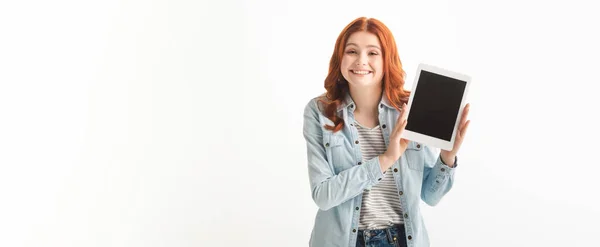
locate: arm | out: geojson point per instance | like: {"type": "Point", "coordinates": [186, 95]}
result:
{"type": "Point", "coordinates": [330, 190]}
{"type": "Point", "coordinates": [437, 178]}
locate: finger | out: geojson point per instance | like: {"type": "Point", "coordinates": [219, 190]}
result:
{"type": "Point", "coordinates": [462, 124]}
{"type": "Point", "coordinates": [465, 113]}
{"type": "Point", "coordinates": [460, 136]}
{"type": "Point", "coordinates": [404, 111]}
{"type": "Point", "coordinates": [464, 129]}
{"type": "Point", "coordinates": [460, 131]}
{"type": "Point", "coordinates": [401, 128]}
{"type": "Point", "coordinates": [404, 142]}
{"type": "Point", "coordinates": [401, 119]}
{"type": "Point", "coordinates": [397, 127]}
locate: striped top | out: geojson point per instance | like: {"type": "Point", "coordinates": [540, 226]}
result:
{"type": "Point", "coordinates": [380, 205]}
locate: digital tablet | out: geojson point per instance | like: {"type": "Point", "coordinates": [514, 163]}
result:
{"type": "Point", "coordinates": [435, 105]}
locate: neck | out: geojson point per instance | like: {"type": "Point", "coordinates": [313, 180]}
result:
{"type": "Point", "coordinates": [366, 99]}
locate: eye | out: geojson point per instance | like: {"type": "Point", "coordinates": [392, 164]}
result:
{"type": "Point", "coordinates": [373, 53]}
{"type": "Point", "coordinates": [350, 52]}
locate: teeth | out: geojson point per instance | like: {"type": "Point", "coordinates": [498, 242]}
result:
{"type": "Point", "coordinates": [360, 72]}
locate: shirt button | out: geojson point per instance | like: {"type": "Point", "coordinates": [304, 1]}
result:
{"type": "Point", "coordinates": [380, 105]}
{"type": "Point", "coordinates": [327, 144]}
{"type": "Point", "coordinates": [405, 215]}
{"type": "Point", "coordinates": [395, 239]}
{"type": "Point", "coordinates": [418, 145]}
{"type": "Point", "coordinates": [443, 169]}
{"type": "Point", "coordinates": [353, 230]}
{"type": "Point", "coordinates": [351, 106]}
{"type": "Point", "coordinates": [383, 126]}
{"type": "Point", "coordinates": [379, 179]}
{"type": "Point", "coordinates": [356, 142]}
{"type": "Point", "coordinates": [401, 193]}
{"type": "Point", "coordinates": [409, 237]}
{"type": "Point", "coordinates": [359, 163]}
{"type": "Point", "coordinates": [356, 208]}
{"type": "Point", "coordinates": [395, 169]}
{"type": "Point", "coordinates": [351, 124]}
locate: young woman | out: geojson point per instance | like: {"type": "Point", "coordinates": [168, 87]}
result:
{"type": "Point", "coordinates": [366, 180]}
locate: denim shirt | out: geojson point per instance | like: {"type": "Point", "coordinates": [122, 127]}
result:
{"type": "Point", "coordinates": [338, 176]}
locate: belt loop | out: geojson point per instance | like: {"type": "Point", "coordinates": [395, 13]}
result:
{"type": "Point", "coordinates": [366, 235]}
{"type": "Point", "coordinates": [389, 235]}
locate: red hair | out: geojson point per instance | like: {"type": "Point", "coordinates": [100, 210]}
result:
{"type": "Point", "coordinates": [393, 74]}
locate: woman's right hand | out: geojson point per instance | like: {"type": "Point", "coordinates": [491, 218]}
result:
{"type": "Point", "coordinates": [397, 144]}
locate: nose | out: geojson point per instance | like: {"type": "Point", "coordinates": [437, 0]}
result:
{"type": "Point", "coordinates": [362, 60]}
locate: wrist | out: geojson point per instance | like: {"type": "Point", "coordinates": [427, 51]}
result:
{"type": "Point", "coordinates": [448, 159]}
{"type": "Point", "coordinates": [389, 158]}
{"type": "Point", "coordinates": [385, 161]}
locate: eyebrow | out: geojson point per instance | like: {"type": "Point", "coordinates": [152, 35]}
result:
{"type": "Point", "coordinates": [374, 46]}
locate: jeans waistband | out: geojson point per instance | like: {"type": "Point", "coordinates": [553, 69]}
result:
{"type": "Point", "coordinates": [394, 229]}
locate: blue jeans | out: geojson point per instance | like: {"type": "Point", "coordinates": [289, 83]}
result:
{"type": "Point", "coordinates": [394, 236]}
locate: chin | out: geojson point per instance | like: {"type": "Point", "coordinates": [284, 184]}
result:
{"type": "Point", "coordinates": [363, 84]}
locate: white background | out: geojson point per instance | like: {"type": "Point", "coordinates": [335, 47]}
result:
{"type": "Point", "coordinates": [179, 123]}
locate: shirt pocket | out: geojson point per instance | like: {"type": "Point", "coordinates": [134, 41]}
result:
{"type": "Point", "coordinates": [414, 156]}
{"type": "Point", "coordinates": [338, 154]}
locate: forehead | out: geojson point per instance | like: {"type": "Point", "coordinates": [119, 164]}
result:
{"type": "Point", "coordinates": [363, 39]}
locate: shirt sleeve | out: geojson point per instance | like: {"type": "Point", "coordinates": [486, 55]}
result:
{"type": "Point", "coordinates": [328, 189]}
{"type": "Point", "coordinates": [438, 178]}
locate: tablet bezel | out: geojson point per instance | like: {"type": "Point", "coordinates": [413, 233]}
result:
{"type": "Point", "coordinates": [430, 140]}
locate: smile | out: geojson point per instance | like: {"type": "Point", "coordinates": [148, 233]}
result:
{"type": "Point", "coordinates": [361, 72]}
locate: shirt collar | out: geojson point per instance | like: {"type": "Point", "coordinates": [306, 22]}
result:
{"type": "Point", "coordinates": [348, 102]}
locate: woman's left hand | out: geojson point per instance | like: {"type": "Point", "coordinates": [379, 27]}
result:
{"type": "Point", "coordinates": [448, 157]}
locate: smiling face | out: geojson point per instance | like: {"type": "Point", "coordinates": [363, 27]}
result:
{"type": "Point", "coordinates": [362, 63]}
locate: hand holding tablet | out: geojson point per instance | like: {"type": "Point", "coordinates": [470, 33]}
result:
{"type": "Point", "coordinates": [437, 114]}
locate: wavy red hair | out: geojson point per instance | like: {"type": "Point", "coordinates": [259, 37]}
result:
{"type": "Point", "coordinates": [393, 74]}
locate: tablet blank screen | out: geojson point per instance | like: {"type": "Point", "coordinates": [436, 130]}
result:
{"type": "Point", "coordinates": [435, 105]}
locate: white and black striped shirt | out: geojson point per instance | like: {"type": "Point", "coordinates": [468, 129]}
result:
{"type": "Point", "coordinates": [380, 205]}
